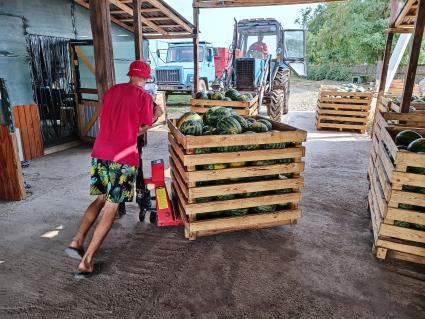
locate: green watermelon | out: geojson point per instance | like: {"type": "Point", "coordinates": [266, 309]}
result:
{"type": "Point", "coordinates": [217, 96]}
{"type": "Point", "coordinates": [406, 137]}
{"type": "Point", "coordinates": [414, 189]}
{"type": "Point", "coordinates": [267, 123]}
{"type": "Point", "coordinates": [214, 166]}
{"type": "Point", "coordinates": [244, 123]}
{"type": "Point", "coordinates": [263, 163]}
{"type": "Point", "coordinates": [215, 114]}
{"type": "Point", "coordinates": [264, 209]}
{"type": "Point", "coordinates": [209, 94]}
{"type": "Point", "coordinates": [250, 119]}
{"type": "Point", "coordinates": [201, 95]}
{"type": "Point", "coordinates": [232, 94]}
{"type": "Point", "coordinates": [416, 170]}
{"type": "Point", "coordinates": [251, 194]}
{"type": "Point", "coordinates": [204, 150]}
{"type": "Point", "coordinates": [237, 212]}
{"type": "Point", "coordinates": [250, 147]}
{"type": "Point", "coordinates": [189, 116]}
{"type": "Point", "coordinates": [401, 224]}
{"type": "Point", "coordinates": [229, 125]}
{"type": "Point", "coordinates": [417, 146]}
{"type": "Point", "coordinates": [283, 191]}
{"type": "Point", "coordinates": [284, 206]}
{"type": "Point", "coordinates": [235, 148]}
{"type": "Point", "coordinates": [206, 128]}
{"type": "Point", "coordinates": [191, 127]}
{"type": "Point", "coordinates": [226, 197]}
{"type": "Point", "coordinates": [205, 199]}
{"type": "Point", "coordinates": [249, 95]}
{"type": "Point", "coordinates": [227, 99]}
{"type": "Point", "coordinates": [259, 127]}
{"type": "Point", "coordinates": [243, 98]}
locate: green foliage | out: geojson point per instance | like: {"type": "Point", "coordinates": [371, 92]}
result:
{"type": "Point", "coordinates": [343, 34]}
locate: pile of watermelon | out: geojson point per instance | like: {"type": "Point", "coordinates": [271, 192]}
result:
{"type": "Point", "coordinates": [351, 87]}
{"type": "Point", "coordinates": [229, 95]}
{"type": "Point", "coordinates": [416, 99]}
{"type": "Point", "coordinates": [413, 142]}
{"type": "Point", "coordinates": [218, 121]}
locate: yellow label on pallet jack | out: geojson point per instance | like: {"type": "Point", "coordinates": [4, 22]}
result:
{"type": "Point", "coordinates": [161, 198]}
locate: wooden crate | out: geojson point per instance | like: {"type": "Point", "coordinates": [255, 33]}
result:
{"type": "Point", "coordinates": [388, 105]}
{"type": "Point", "coordinates": [187, 175]}
{"type": "Point", "coordinates": [242, 108]}
{"type": "Point", "coordinates": [388, 173]}
{"type": "Point", "coordinates": [342, 110]}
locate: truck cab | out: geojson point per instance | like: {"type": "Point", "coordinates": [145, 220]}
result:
{"type": "Point", "coordinates": [176, 75]}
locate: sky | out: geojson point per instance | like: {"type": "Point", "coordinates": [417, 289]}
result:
{"type": "Point", "coordinates": [216, 25]}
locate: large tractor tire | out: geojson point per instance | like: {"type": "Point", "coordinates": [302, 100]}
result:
{"type": "Point", "coordinates": [277, 106]}
{"type": "Point", "coordinates": [281, 81]}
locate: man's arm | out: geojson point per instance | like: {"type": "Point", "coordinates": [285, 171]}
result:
{"type": "Point", "coordinates": [157, 112]}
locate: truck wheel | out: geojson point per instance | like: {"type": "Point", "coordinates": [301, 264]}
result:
{"type": "Point", "coordinates": [281, 81]}
{"type": "Point", "coordinates": [277, 105]}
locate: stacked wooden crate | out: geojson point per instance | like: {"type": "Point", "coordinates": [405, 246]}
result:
{"type": "Point", "coordinates": [248, 108]}
{"type": "Point", "coordinates": [392, 202]}
{"type": "Point", "coordinates": [243, 181]}
{"type": "Point", "coordinates": [337, 109]}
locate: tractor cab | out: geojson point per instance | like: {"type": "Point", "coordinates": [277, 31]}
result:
{"type": "Point", "coordinates": [259, 37]}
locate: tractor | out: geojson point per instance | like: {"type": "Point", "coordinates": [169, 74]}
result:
{"type": "Point", "coordinates": [263, 56]}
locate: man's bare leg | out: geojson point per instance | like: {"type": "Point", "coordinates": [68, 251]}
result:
{"type": "Point", "coordinates": [87, 221]}
{"type": "Point", "coordinates": [102, 229]}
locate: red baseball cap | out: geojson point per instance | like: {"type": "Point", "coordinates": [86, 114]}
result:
{"type": "Point", "coordinates": [140, 69]}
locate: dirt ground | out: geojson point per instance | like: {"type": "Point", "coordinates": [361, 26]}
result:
{"type": "Point", "coordinates": [320, 268]}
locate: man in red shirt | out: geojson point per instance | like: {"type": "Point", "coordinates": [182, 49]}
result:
{"type": "Point", "coordinates": [127, 111]}
{"type": "Point", "coordinates": [259, 47]}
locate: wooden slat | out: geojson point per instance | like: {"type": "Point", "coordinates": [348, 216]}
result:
{"type": "Point", "coordinates": [402, 233]}
{"type": "Point", "coordinates": [344, 106]}
{"type": "Point", "coordinates": [11, 179]}
{"type": "Point", "coordinates": [343, 118]}
{"type": "Point", "coordinates": [413, 250]}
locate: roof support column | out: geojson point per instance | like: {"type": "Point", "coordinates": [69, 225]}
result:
{"type": "Point", "coordinates": [100, 19]}
{"type": "Point", "coordinates": [196, 50]}
{"type": "Point", "coordinates": [138, 31]}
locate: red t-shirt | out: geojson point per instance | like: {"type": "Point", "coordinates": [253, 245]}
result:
{"type": "Point", "coordinates": [124, 108]}
{"type": "Point", "coordinates": [259, 47]}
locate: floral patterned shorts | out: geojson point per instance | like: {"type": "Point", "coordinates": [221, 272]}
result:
{"type": "Point", "coordinates": [113, 179]}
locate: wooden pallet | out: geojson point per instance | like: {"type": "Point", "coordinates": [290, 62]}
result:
{"type": "Point", "coordinates": [242, 108]}
{"type": "Point", "coordinates": [188, 176]}
{"type": "Point", "coordinates": [387, 104]}
{"type": "Point", "coordinates": [342, 110]}
{"type": "Point", "coordinates": [388, 173]}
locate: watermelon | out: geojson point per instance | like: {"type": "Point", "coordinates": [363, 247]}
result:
{"type": "Point", "coordinates": [204, 199]}
{"type": "Point", "coordinates": [263, 163]}
{"type": "Point", "coordinates": [417, 146]}
{"type": "Point", "coordinates": [406, 137]}
{"type": "Point", "coordinates": [232, 94]}
{"type": "Point", "coordinates": [201, 96]}
{"type": "Point", "coordinates": [215, 114]}
{"type": "Point", "coordinates": [237, 164]}
{"type": "Point", "coordinates": [204, 150]}
{"type": "Point", "coordinates": [244, 123]}
{"type": "Point", "coordinates": [416, 170]}
{"type": "Point", "coordinates": [209, 94]}
{"type": "Point", "coordinates": [214, 166]}
{"type": "Point", "coordinates": [249, 95]}
{"type": "Point", "coordinates": [217, 96]}
{"type": "Point", "coordinates": [251, 194]}
{"type": "Point", "coordinates": [283, 191]}
{"type": "Point", "coordinates": [401, 224]}
{"type": "Point", "coordinates": [235, 148]}
{"type": "Point", "coordinates": [189, 116]}
{"type": "Point", "coordinates": [414, 189]}
{"type": "Point", "coordinates": [267, 123]}
{"type": "Point", "coordinates": [227, 99]}
{"type": "Point", "coordinates": [284, 206]}
{"type": "Point", "coordinates": [229, 125]}
{"type": "Point", "coordinates": [226, 197]}
{"type": "Point", "coordinates": [237, 212]}
{"type": "Point", "coordinates": [191, 127]}
{"type": "Point", "coordinates": [259, 127]}
{"type": "Point", "coordinates": [250, 119]}
{"type": "Point", "coordinates": [243, 98]}
{"type": "Point", "coordinates": [206, 128]}
{"type": "Point", "coordinates": [251, 147]}
{"type": "Point", "coordinates": [264, 209]}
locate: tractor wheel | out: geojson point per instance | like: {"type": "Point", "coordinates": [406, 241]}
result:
{"type": "Point", "coordinates": [277, 105]}
{"type": "Point", "coordinates": [281, 81]}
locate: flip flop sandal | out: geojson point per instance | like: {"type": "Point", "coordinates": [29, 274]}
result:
{"type": "Point", "coordinates": [75, 253]}
{"type": "Point", "coordinates": [88, 274]}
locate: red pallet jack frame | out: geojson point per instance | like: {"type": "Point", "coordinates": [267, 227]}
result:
{"type": "Point", "coordinates": [163, 214]}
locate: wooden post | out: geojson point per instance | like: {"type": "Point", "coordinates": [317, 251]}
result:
{"type": "Point", "coordinates": [138, 31]}
{"type": "Point", "coordinates": [394, 4]}
{"type": "Point", "coordinates": [414, 57]}
{"type": "Point", "coordinates": [100, 19]}
{"type": "Point", "coordinates": [384, 72]}
{"type": "Point", "coordinates": [196, 49]}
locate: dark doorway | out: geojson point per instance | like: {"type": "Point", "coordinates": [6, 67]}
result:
{"type": "Point", "coordinates": [53, 88]}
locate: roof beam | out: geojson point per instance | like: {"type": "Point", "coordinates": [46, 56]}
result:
{"type": "Point", "coordinates": [129, 11]}
{"type": "Point", "coordinates": [170, 13]}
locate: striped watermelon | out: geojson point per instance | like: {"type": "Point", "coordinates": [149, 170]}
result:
{"type": "Point", "coordinates": [264, 209]}
{"type": "Point", "coordinates": [191, 127]}
{"type": "Point", "coordinates": [229, 125]}
{"type": "Point", "coordinates": [214, 166]}
{"type": "Point", "coordinates": [234, 148]}
{"type": "Point", "coordinates": [215, 114]}
{"type": "Point", "coordinates": [267, 123]}
{"type": "Point", "coordinates": [250, 147]}
{"type": "Point", "coordinates": [244, 123]}
{"type": "Point", "coordinates": [189, 116]}
{"type": "Point", "coordinates": [259, 127]}
{"type": "Point", "coordinates": [237, 212]}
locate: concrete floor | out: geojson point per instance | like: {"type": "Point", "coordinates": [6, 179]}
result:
{"type": "Point", "coordinates": [320, 268]}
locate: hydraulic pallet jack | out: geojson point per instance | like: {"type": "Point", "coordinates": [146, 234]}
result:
{"type": "Point", "coordinates": [161, 213]}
